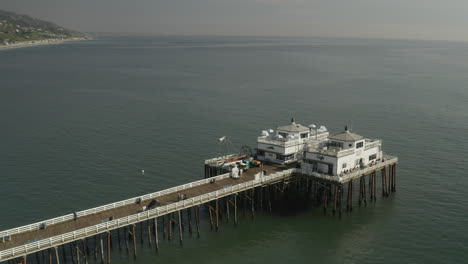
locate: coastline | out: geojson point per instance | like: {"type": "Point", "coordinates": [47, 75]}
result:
{"type": "Point", "coordinates": [24, 44]}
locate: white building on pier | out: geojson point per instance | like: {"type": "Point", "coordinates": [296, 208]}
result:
{"type": "Point", "coordinates": [287, 143]}
{"type": "Point", "coordinates": [341, 154]}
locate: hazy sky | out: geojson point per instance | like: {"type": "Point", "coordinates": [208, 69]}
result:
{"type": "Point", "coordinates": [413, 19]}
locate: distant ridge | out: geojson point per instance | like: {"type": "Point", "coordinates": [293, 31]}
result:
{"type": "Point", "coordinates": [23, 29]}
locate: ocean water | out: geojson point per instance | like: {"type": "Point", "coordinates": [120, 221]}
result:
{"type": "Point", "coordinates": [79, 122]}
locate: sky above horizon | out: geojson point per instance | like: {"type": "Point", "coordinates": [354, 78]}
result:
{"type": "Point", "coordinates": [405, 19]}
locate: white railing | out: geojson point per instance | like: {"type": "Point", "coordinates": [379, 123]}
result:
{"type": "Point", "coordinates": [220, 159]}
{"type": "Point", "coordinates": [331, 152]}
{"type": "Point", "coordinates": [106, 207]}
{"type": "Point", "coordinates": [135, 218]}
{"type": "Point", "coordinates": [282, 142]}
{"type": "Point", "coordinates": [372, 144]}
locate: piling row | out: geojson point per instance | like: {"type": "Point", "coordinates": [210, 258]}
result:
{"type": "Point", "coordinates": [300, 191]}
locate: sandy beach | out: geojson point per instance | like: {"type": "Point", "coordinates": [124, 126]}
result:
{"type": "Point", "coordinates": [25, 44]}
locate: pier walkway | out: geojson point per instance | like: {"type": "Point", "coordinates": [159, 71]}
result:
{"type": "Point", "coordinates": [22, 241]}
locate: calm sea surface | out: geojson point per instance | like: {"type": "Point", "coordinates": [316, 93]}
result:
{"type": "Point", "coordinates": [79, 122]}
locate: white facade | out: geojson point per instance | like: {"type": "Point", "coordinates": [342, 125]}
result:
{"type": "Point", "coordinates": [342, 154]}
{"type": "Point", "coordinates": [287, 143]}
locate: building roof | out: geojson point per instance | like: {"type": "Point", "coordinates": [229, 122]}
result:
{"type": "Point", "coordinates": [346, 136]}
{"type": "Point", "coordinates": [293, 127]}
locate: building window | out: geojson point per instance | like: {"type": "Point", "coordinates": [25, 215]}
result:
{"type": "Point", "coordinates": [260, 152]}
{"type": "Point", "coordinates": [350, 145]}
{"type": "Point", "coordinates": [335, 144]}
{"type": "Point", "coordinates": [344, 165]}
{"type": "Point", "coordinates": [284, 135]}
{"type": "Point", "coordinates": [372, 157]}
{"type": "Point", "coordinates": [304, 135]}
{"type": "Point", "coordinates": [360, 144]}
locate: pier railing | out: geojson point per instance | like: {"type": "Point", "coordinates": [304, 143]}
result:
{"type": "Point", "coordinates": [135, 218]}
{"type": "Point", "coordinates": [372, 144]}
{"type": "Point", "coordinates": [68, 217]}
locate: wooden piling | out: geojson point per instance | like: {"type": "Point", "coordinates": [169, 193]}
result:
{"type": "Point", "coordinates": [95, 249]}
{"type": "Point", "coordinates": [335, 198]}
{"type": "Point", "coordinates": [108, 247]}
{"type": "Point", "coordinates": [77, 252]}
{"type": "Point", "coordinates": [102, 250]}
{"type": "Point", "coordinates": [261, 198]}
{"type": "Point", "coordinates": [50, 255]}
{"type": "Point", "coordinates": [38, 260]}
{"type": "Point", "coordinates": [180, 228]}
{"type": "Point", "coordinates": [134, 241]}
{"type": "Point", "coordinates": [325, 199]}
{"type": "Point", "coordinates": [364, 193]}
{"type": "Point", "coordinates": [57, 259]}
{"type": "Point", "coordinates": [118, 239]}
{"type": "Point", "coordinates": [269, 199]}
{"type": "Point", "coordinates": [211, 215]}
{"type": "Point", "coordinates": [360, 191]}
{"type": "Point", "coordinates": [148, 226]}
{"type": "Point", "coordinates": [64, 255]}
{"type": "Point", "coordinates": [227, 209]}
{"type": "Point", "coordinates": [382, 173]}
{"type": "Point", "coordinates": [164, 226]}
{"type": "Point", "coordinates": [374, 181]}
{"type": "Point", "coordinates": [189, 218]}
{"type": "Point", "coordinates": [169, 227]}
{"type": "Point", "coordinates": [72, 256]}
{"type": "Point", "coordinates": [252, 203]}
{"type": "Point", "coordinates": [127, 237]}
{"type": "Point", "coordinates": [141, 233]}
{"type": "Point", "coordinates": [235, 209]}
{"type": "Point", "coordinates": [85, 250]}
{"type": "Point", "coordinates": [351, 196]}
{"type": "Point", "coordinates": [156, 242]}
{"type": "Point", "coordinates": [340, 200]}
{"type": "Point", "coordinates": [348, 197]}
{"type": "Point", "coordinates": [217, 215]}
{"type": "Point", "coordinates": [389, 180]}
{"type": "Point", "coordinates": [197, 220]}
{"type": "Point", "coordinates": [182, 222]}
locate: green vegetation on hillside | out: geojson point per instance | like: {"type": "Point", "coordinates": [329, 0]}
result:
{"type": "Point", "coordinates": [16, 28]}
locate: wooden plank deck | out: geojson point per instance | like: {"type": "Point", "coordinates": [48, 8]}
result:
{"type": "Point", "coordinates": [131, 209]}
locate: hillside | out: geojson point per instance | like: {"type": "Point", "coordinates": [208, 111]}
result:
{"type": "Point", "coordinates": [15, 28]}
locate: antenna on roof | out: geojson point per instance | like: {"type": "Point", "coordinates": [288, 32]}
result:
{"type": "Point", "coordinates": [293, 121]}
{"type": "Point", "coordinates": [346, 128]}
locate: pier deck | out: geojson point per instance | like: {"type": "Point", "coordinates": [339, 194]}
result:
{"type": "Point", "coordinates": [21, 241]}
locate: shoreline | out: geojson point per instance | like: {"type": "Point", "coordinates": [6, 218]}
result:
{"type": "Point", "coordinates": [25, 44]}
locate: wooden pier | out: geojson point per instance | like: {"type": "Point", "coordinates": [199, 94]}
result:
{"type": "Point", "coordinates": [92, 233]}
